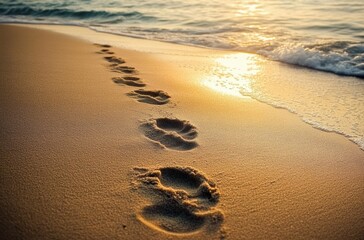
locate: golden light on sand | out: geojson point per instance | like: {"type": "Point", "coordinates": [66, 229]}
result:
{"type": "Point", "coordinates": [233, 74]}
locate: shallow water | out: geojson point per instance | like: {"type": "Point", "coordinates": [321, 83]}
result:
{"type": "Point", "coordinates": [325, 101]}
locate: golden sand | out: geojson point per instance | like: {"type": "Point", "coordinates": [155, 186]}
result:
{"type": "Point", "coordinates": [100, 142]}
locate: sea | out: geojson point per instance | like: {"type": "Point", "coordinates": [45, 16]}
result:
{"type": "Point", "coordinates": [321, 35]}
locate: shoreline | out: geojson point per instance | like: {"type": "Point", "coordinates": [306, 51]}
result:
{"type": "Point", "coordinates": [165, 50]}
{"type": "Point", "coordinates": [341, 73]}
{"type": "Point", "coordinates": [77, 138]}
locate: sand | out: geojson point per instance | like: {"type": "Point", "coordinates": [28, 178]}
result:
{"type": "Point", "coordinates": [105, 142]}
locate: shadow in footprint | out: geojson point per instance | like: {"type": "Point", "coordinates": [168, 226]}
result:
{"type": "Point", "coordinates": [105, 51]}
{"type": "Point", "coordinates": [171, 133]}
{"type": "Point", "coordinates": [124, 69]}
{"type": "Point", "coordinates": [184, 128]}
{"type": "Point", "coordinates": [130, 81]}
{"type": "Point", "coordinates": [191, 182]}
{"type": "Point", "coordinates": [171, 218]}
{"type": "Point", "coordinates": [156, 97]}
{"type": "Point", "coordinates": [183, 200]}
{"type": "Point", "coordinates": [180, 178]}
{"type": "Point", "coordinates": [102, 45]}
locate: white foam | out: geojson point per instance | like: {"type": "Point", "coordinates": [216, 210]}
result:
{"type": "Point", "coordinates": [344, 61]}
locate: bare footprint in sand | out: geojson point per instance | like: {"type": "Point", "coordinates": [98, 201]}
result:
{"type": "Point", "coordinates": [156, 97]}
{"type": "Point", "coordinates": [105, 48]}
{"type": "Point", "coordinates": [114, 60]}
{"type": "Point", "coordinates": [130, 81]}
{"type": "Point", "coordinates": [105, 51]}
{"type": "Point", "coordinates": [171, 133]}
{"type": "Point", "coordinates": [183, 200]}
{"type": "Point", "coordinates": [124, 69]}
{"type": "Point", "coordinates": [102, 45]}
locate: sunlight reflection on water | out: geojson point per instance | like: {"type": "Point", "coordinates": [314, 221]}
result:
{"type": "Point", "coordinates": [232, 74]}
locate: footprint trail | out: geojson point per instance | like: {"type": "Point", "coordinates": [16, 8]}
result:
{"type": "Point", "coordinates": [183, 199]}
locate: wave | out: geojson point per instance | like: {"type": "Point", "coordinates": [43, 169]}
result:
{"type": "Point", "coordinates": [67, 13]}
{"type": "Point", "coordinates": [339, 57]}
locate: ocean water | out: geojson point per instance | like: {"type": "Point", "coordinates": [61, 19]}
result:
{"type": "Point", "coordinates": [328, 102]}
{"type": "Point", "coordinates": [325, 35]}
{"type": "Point", "coordinates": [320, 35]}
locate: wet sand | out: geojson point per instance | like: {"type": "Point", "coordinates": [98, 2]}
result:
{"type": "Point", "coordinates": [103, 142]}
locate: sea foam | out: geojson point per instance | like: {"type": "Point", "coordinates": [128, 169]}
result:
{"type": "Point", "coordinates": [343, 58]}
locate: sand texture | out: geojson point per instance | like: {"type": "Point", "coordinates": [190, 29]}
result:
{"type": "Point", "coordinates": [127, 142]}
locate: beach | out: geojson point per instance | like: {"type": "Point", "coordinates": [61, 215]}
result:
{"type": "Point", "coordinates": [85, 154]}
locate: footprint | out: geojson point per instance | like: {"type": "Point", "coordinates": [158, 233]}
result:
{"type": "Point", "coordinates": [183, 200]}
{"type": "Point", "coordinates": [102, 45]}
{"type": "Point", "coordinates": [130, 81]}
{"type": "Point", "coordinates": [156, 97]}
{"type": "Point", "coordinates": [171, 133]}
{"type": "Point", "coordinates": [114, 60]}
{"type": "Point", "coordinates": [105, 51]}
{"type": "Point", "coordinates": [124, 69]}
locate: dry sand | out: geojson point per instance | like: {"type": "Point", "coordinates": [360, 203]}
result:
{"type": "Point", "coordinates": [86, 155]}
